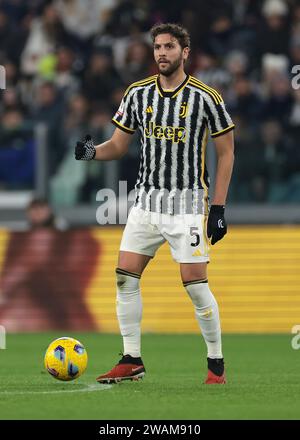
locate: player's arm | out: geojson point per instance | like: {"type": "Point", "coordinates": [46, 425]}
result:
{"type": "Point", "coordinates": [220, 126]}
{"type": "Point", "coordinates": [114, 148]}
{"type": "Point", "coordinates": [225, 157]}
{"type": "Point", "coordinates": [216, 224]}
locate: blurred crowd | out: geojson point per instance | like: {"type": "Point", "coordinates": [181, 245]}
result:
{"type": "Point", "coordinates": [68, 62]}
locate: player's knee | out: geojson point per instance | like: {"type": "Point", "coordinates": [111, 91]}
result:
{"type": "Point", "coordinates": [127, 282]}
{"type": "Point", "coordinates": [199, 293]}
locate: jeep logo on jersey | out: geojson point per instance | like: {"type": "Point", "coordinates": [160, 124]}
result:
{"type": "Point", "coordinates": [175, 134]}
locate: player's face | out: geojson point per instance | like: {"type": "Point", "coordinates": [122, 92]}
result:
{"type": "Point", "coordinates": [168, 54]}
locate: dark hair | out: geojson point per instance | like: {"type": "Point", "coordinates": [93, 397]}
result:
{"type": "Point", "coordinates": [177, 31]}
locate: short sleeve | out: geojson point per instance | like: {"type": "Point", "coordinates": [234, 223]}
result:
{"type": "Point", "coordinates": [125, 117]}
{"type": "Point", "coordinates": [218, 119]}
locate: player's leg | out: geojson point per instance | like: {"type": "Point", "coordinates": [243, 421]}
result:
{"type": "Point", "coordinates": [189, 246]}
{"type": "Point", "coordinates": [139, 243]}
{"type": "Point", "coordinates": [129, 312]}
{"type": "Point", "coordinates": [133, 262]}
{"type": "Point", "coordinates": [194, 278]}
{"type": "Point", "coordinates": [129, 301]}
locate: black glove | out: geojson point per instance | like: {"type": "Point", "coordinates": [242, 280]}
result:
{"type": "Point", "coordinates": [85, 150]}
{"type": "Point", "coordinates": [216, 224]}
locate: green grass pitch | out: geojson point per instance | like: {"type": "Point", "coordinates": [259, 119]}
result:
{"type": "Point", "coordinates": [263, 374]}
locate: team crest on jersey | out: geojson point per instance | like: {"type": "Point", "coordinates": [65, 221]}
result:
{"type": "Point", "coordinates": [176, 134]}
{"type": "Point", "coordinates": [183, 110]}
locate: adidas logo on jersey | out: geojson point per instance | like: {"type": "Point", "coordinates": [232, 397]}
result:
{"type": "Point", "coordinates": [149, 109]}
{"type": "Point", "coordinates": [176, 134]}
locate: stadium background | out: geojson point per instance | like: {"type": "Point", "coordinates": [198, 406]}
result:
{"type": "Point", "coordinates": [67, 65]}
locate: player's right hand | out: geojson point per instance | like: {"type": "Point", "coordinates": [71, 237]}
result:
{"type": "Point", "coordinates": [85, 150]}
{"type": "Point", "coordinates": [216, 224]}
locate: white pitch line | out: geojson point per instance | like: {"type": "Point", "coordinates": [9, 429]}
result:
{"type": "Point", "coordinates": [87, 389]}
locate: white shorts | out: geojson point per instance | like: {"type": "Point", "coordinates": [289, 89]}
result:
{"type": "Point", "coordinates": [186, 234]}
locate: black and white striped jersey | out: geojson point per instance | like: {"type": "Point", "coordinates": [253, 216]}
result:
{"type": "Point", "coordinates": [174, 127]}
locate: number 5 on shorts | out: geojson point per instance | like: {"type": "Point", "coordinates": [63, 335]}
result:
{"type": "Point", "coordinates": [194, 233]}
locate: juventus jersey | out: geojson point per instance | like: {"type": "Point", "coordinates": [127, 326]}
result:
{"type": "Point", "coordinates": [174, 127]}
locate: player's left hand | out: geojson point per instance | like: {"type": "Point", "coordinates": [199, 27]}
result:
{"type": "Point", "coordinates": [216, 224]}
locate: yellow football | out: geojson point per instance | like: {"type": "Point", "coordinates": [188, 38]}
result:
{"type": "Point", "coordinates": [66, 359]}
